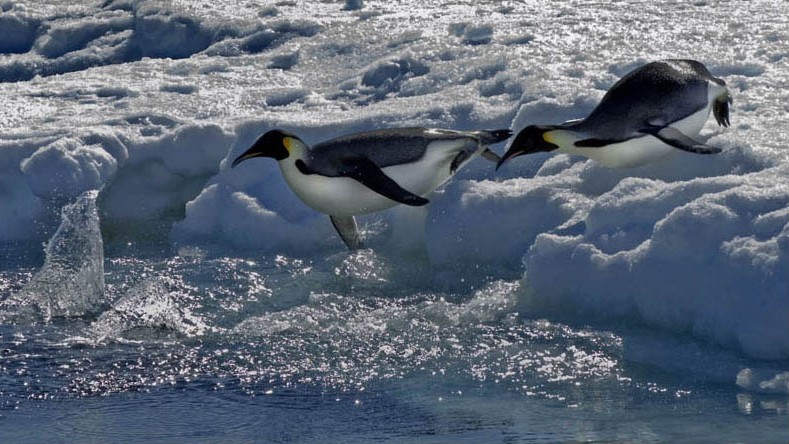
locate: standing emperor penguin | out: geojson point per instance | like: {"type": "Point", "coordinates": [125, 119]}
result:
{"type": "Point", "coordinates": [647, 114]}
{"type": "Point", "coordinates": [371, 171]}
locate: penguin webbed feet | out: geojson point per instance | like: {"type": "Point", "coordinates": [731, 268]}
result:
{"type": "Point", "coordinates": [348, 230]}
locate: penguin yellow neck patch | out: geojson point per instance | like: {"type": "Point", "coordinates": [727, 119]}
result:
{"type": "Point", "coordinates": [559, 137]}
{"type": "Point", "coordinates": [289, 143]}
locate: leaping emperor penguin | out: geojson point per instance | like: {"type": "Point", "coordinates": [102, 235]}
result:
{"type": "Point", "coordinates": [647, 114]}
{"type": "Point", "coordinates": [370, 171]}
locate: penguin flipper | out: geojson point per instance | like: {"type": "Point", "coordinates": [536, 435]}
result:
{"type": "Point", "coordinates": [676, 138]}
{"type": "Point", "coordinates": [348, 231]}
{"type": "Point", "coordinates": [368, 174]}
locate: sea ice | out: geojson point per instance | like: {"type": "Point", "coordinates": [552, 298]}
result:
{"type": "Point", "coordinates": [149, 100]}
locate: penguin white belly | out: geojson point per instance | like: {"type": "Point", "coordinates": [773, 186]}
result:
{"type": "Point", "coordinates": [343, 196]}
{"type": "Point", "coordinates": [630, 153]}
{"type": "Point", "coordinates": [642, 150]}
{"type": "Point", "coordinates": [338, 196]}
{"type": "Point", "coordinates": [692, 125]}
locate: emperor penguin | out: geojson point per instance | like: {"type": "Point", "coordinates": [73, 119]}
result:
{"type": "Point", "coordinates": [371, 171]}
{"type": "Point", "coordinates": [649, 113]}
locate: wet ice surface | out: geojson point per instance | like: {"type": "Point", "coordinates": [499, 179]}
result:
{"type": "Point", "coordinates": [555, 300]}
{"type": "Point", "coordinates": [359, 347]}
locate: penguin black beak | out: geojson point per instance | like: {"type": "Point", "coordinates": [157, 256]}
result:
{"type": "Point", "coordinates": [530, 140]}
{"type": "Point", "coordinates": [514, 151]}
{"type": "Point", "coordinates": [272, 144]}
{"type": "Point", "coordinates": [248, 154]}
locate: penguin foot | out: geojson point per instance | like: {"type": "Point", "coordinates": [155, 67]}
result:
{"type": "Point", "coordinates": [348, 231]}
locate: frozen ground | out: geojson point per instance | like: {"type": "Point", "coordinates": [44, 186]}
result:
{"type": "Point", "coordinates": [148, 100]}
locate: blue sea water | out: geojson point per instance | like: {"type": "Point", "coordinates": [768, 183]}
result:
{"type": "Point", "coordinates": [353, 347]}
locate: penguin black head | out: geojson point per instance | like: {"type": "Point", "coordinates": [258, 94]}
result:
{"type": "Point", "coordinates": [276, 144]}
{"type": "Point", "coordinates": [532, 139]}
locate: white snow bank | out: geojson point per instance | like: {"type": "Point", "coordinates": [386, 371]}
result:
{"type": "Point", "coordinates": [146, 167]}
{"type": "Point", "coordinates": [67, 167]}
{"type": "Point", "coordinates": [707, 256]}
{"type": "Point", "coordinates": [224, 217]}
{"type": "Point", "coordinates": [388, 76]}
{"type": "Point", "coordinates": [693, 244]}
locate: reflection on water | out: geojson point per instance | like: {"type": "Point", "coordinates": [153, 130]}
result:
{"type": "Point", "coordinates": [358, 346]}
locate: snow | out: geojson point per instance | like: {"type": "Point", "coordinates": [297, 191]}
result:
{"type": "Point", "coordinates": [149, 100]}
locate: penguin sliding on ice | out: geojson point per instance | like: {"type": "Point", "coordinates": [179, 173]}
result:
{"type": "Point", "coordinates": [646, 115]}
{"type": "Point", "coordinates": [371, 171]}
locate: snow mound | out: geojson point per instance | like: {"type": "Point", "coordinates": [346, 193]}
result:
{"type": "Point", "coordinates": [388, 76]}
{"type": "Point", "coordinates": [284, 61]}
{"type": "Point", "coordinates": [68, 167]}
{"type": "Point", "coordinates": [162, 173]}
{"type": "Point", "coordinates": [706, 256]}
{"type": "Point", "coordinates": [226, 216]}
{"type": "Point", "coordinates": [472, 34]}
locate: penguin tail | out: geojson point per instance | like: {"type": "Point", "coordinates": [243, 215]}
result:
{"type": "Point", "coordinates": [489, 137]}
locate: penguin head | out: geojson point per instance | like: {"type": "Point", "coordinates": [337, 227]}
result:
{"type": "Point", "coordinates": [276, 144]}
{"type": "Point", "coordinates": [532, 139]}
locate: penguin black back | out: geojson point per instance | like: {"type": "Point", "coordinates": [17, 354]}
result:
{"type": "Point", "coordinates": [383, 147]}
{"type": "Point", "coordinates": [672, 89]}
